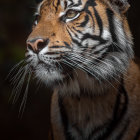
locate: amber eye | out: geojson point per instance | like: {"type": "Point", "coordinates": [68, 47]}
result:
{"type": "Point", "coordinates": [71, 14]}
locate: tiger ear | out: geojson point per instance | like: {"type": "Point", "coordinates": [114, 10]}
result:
{"type": "Point", "coordinates": [38, 1]}
{"type": "Point", "coordinates": [122, 5]}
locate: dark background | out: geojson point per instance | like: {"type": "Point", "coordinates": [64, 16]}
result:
{"type": "Point", "coordinates": [16, 18]}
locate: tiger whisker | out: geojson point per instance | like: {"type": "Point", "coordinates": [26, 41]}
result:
{"type": "Point", "coordinates": [14, 68]}
{"type": "Point", "coordinates": [24, 100]}
{"type": "Point", "coordinates": [87, 70]}
{"type": "Point", "coordinates": [101, 67]}
{"type": "Point", "coordinates": [17, 88]}
{"type": "Point", "coordinates": [62, 69]}
{"type": "Point", "coordinates": [70, 65]}
{"type": "Point", "coordinates": [89, 54]}
{"type": "Point", "coordinates": [84, 69]}
{"type": "Point", "coordinates": [16, 78]}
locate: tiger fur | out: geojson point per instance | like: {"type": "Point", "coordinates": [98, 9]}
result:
{"type": "Point", "coordinates": [83, 50]}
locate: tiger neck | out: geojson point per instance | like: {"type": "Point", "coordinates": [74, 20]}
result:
{"type": "Point", "coordinates": [96, 106]}
{"type": "Point", "coordinates": [81, 84]}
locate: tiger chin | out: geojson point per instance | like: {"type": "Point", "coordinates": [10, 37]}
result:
{"type": "Point", "coordinates": [83, 49]}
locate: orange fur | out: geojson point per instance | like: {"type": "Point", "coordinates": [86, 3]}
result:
{"type": "Point", "coordinates": [85, 110]}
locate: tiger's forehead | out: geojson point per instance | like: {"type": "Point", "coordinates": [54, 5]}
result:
{"type": "Point", "coordinates": [71, 3]}
{"type": "Point", "coordinates": [63, 3]}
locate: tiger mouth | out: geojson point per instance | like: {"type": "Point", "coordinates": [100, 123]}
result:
{"type": "Point", "coordinates": [55, 66]}
{"type": "Point", "coordinates": [46, 66]}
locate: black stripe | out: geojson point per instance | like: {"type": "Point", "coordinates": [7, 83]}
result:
{"type": "Point", "coordinates": [84, 23]}
{"type": "Point", "coordinates": [77, 43]}
{"type": "Point", "coordinates": [56, 6]}
{"type": "Point", "coordinates": [120, 136]}
{"type": "Point", "coordinates": [74, 41]}
{"type": "Point", "coordinates": [64, 119]}
{"type": "Point", "coordinates": [51, 53]}
{"type": "Point", "coordinates": [90, 14]}
{"type": "Point", "coordinates": [94, 37]}
{"type": "Point", "coordinates": [72, 31]}
{"type": "Point", "coordinates": [110, 16]}
{"type": "Point", "coordinates": [92, 4]}
{"type": "Point", "coordinates": [137, 135]}
{"type": "Point", "coordinates": [76, 30]}
{"type": "Point", "coordinates": [67, 45]}
{"type": "Point", "coordinates": [101, 58]}
{"type": "Point", "coordinates": [58, 2]}
{"type": "Point", "coordinates": [55, 47]}
{"type": "Point", "coordinates": [69, 32]}
{"type": "Point", "coordinates": [99, 21]}
{"type": "Point", "coordinates": [113, 48]}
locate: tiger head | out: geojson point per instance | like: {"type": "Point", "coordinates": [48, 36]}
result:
{"type": "Point", "coordinates": [80, 35]}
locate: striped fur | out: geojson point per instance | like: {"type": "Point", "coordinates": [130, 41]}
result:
{"type": "Point", "coordinates": [87, 58]}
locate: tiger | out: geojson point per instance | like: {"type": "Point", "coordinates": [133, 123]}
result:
{"type": "Point", "coordinates": [83, 51]}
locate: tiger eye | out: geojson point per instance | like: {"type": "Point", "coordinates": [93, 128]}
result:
{"type": "Point", "coordinates": [71, 14]}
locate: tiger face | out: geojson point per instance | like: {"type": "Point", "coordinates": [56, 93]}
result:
{"type": "Point", "coordinates": [86, 35]}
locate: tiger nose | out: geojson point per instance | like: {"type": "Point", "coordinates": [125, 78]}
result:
{"type": "Point", "coordinates": [36, 45]}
